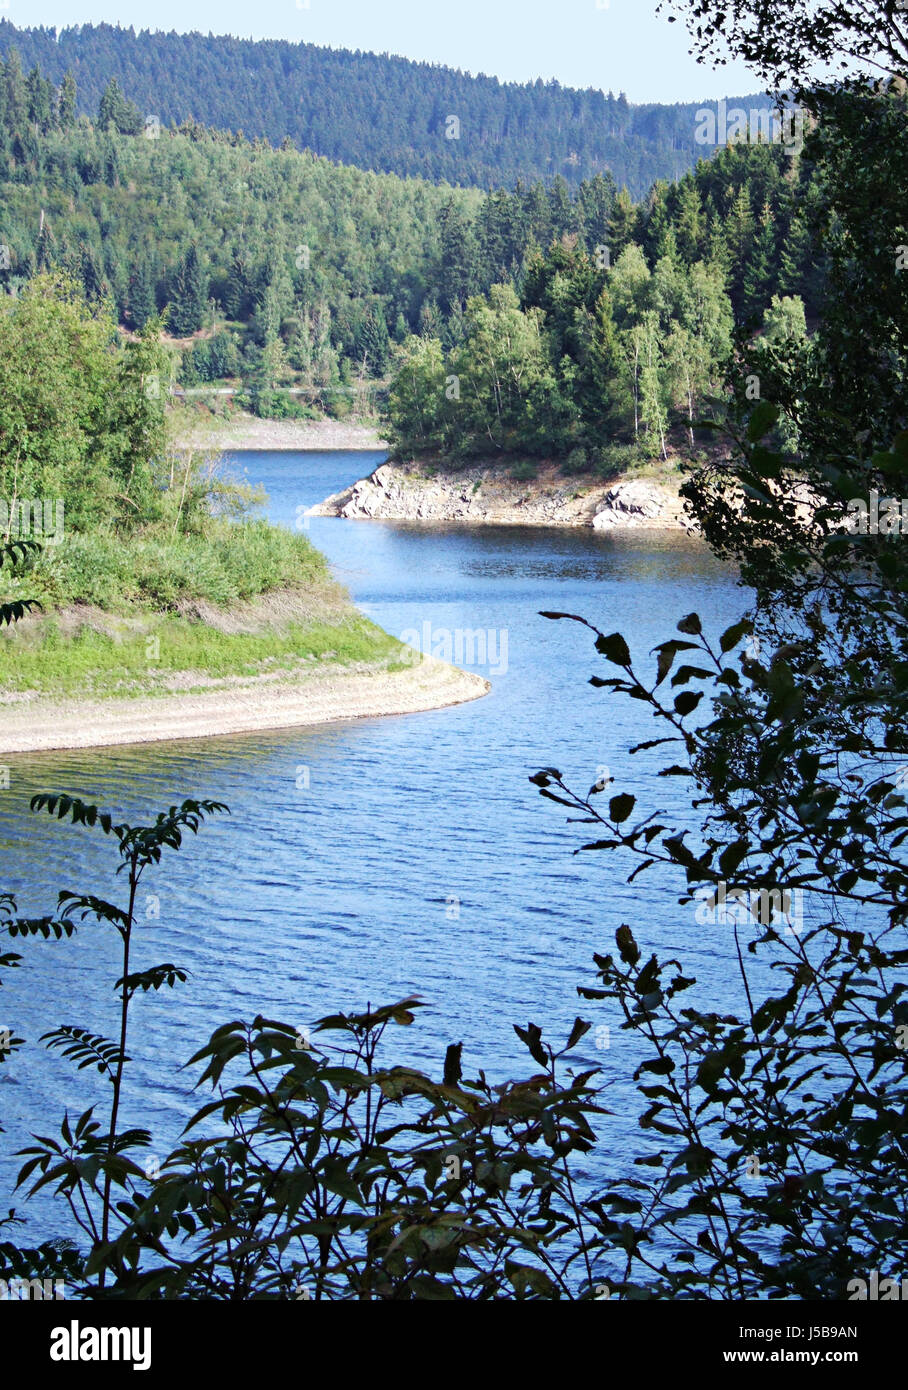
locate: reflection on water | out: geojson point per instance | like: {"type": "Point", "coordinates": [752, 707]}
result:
{"type": "Point", "coordinates": [417, 860]}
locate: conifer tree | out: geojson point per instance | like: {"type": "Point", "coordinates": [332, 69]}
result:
{"type": "Point", "coordinates": [458, 257]}
{"type": "Point", "coordinates": [758, 278]}
{"type": "Point", "coordinates": [142, 301]}
{"type": "Point", "coordinates": [372, 342]}
{"type": "Point", "coordinates": [66, 107]}
{"type": "Point", "coordinates": [622, 224]}
{"type": "Point", "coordinates": [39, 102]}
{"type": "Point", "coordinates": [16, 97]}
{"type": "Point", "coordinates": [689, 222]}
{"type": "Point", "coordinates": [189, 296]}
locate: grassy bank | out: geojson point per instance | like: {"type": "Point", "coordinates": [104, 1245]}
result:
{"type": "Point", "coordinates": [158, 614]}
{"type": "Point", "coordinates": [70, 655]}
{"type": "Point", "coordinates": [154, 570]}
{"type": "Point", "coordinates": [152, 574]}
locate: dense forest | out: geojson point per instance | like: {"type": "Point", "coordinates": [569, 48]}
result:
{"type": "Point", "coordinates": [281, 268]}
{"type": "Point", "coordinates": [372, 110]}
{"type": "Point", "coordinates": [604, 356]}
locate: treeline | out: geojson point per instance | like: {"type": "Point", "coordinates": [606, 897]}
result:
{"type": "Point", "coordinates": [277, 267]}
{"type": "Point", "coordinates": [298, 270]}
{"type": "Point", "coordinates": [601, 355]}
{"type": "Point", "coordinates": [594, 368]}
{"type": "Point", "coordinates": [375, 111]}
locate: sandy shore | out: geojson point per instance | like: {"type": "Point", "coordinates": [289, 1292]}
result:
{"type": "Point", "coordinates": [249, 432]}
{"type": "Point", "coordinates": [235, 706]}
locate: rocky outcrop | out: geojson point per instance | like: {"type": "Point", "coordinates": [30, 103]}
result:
{"type": "Point", "coordinates": [641, 502]}
{"type": "Point", "coordinates": [489, 494]}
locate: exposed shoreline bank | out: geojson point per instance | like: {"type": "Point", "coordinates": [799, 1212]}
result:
{"type": "Point", "coordinates": [236, 706]}
{"type": "Point", "coordinates": [244, 431]}
{"type": "Point", "coordinates": [487, 493]}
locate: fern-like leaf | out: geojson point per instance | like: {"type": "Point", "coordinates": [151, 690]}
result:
{"type": "Point", "coordinates": [85, 1049]}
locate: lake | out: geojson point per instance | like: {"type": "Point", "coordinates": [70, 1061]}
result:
{"type": "Point", "coordinates": [367, 861]}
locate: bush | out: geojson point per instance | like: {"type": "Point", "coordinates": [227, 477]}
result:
{"type": "Point", "coordinates": [280, 405]}
{"type": "Point", "coordinates": [577, 462]}
{"type": "Point", "coordinates": [229, 562]}
{"type": "Point", "coordinates": [611, 460]}
{"type": "Point", "coordinates": [210, 359]}
{"type": "Point", "coordinates": [525, 471]}
{"type": "Point", "coordinates": [338, 405]}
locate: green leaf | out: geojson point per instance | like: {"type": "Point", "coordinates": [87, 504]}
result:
{"type": "Point", "coordinates": [734, 634]}
{"type": "Point", "coordinates": [764, 418]}
{"type": "Point", "coordinates": [614, 648]}
{"type": "Point", "coordinates": [620, 807]}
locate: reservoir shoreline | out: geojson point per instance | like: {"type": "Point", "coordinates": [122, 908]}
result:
{"type": "Point", "coordinates": [236, 706]}
{"type": "Point", "coordinates": [488, 494]}
{"type": "Point", "coordinates": [481, 493]}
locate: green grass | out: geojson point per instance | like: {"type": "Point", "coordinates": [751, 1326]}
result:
{"type": "Point", "coordinates": [138, 661]}
{"type": "Point", "coordinates": [120, 618]}
{"type": "Point", "coordinates": [155, 571]}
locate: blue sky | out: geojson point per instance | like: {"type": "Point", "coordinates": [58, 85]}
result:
{"type": "Point", "coordinates": [617, 44]}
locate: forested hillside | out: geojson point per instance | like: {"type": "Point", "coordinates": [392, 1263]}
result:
{"type": "Point", "coordinates": [606, 356]}
{"type": "Point", "coordinates": [375, 111]}
{"type": "Point", "coordinates": [278, 268]}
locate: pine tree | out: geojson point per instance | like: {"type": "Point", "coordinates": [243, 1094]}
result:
{"type": "Point", "coordinates": [794, 257]}
{"type": "Point", "coordinates": [189, 296]}
{"type": "Point", "coordinates": [111, 164]}
{"type": "Point", "coordinates": [562, 210]}
{"type": "Point", "coordinates": [92, 274]}
{"type": "Point", "coordinates": [39, 102]}
{"type": "Point", "coordinates": [656, 221]}
{"type": "Point", "coordinates": [238, 295]}
{"type": "Point", "coordinates": [717, 251]}
{"type": "Point", "coordinates": [458, 257]}
{"type": "Point", "coordinates": [740, 235]}
{"type": "Point", "coordinates": [109, 105]}
{"type": "Point", "coordinates": [622, 224]}
{"type": "Point", "coordinates": [741, 221]}
{"type": "Point", "coordinates": [116, 113]}
{"type": "Point", "coordinates": [142, 302]}
{"type": "Point", "coordinates": [16, 97]}
{"type": "Point", "coordinates": [759, 277]}
{"type": "Point", "coordinates": [597, 392]}
{"type": "Point", "coordinates": [66, 109]}
{"type": "Point", "coordinates": [430, 321]}
{"type": "Point", "coordinates": [689, 222]}
{"type": "Point", "coordinates": [596, 198]}
{"type": "Point", "coordinates": [492, 238]}
{"type": "Point", "coordinates": [373, 346]}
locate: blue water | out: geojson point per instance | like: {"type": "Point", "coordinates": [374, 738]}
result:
{"type": "Point", "coordinates": [418, 860]}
